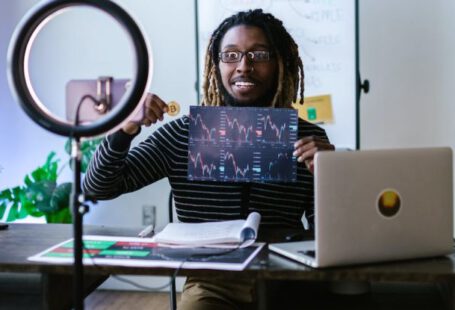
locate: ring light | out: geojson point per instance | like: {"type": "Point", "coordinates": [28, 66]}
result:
{"type": "Point", "coordinates": [20, 82]}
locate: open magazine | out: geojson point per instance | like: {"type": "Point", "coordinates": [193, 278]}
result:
{"type": "Point", "coordinates": [143, 252]}
{"type": "Point", "coordinates": [179, 245]}
{"type": "Point", "coordinates": [214, 234]}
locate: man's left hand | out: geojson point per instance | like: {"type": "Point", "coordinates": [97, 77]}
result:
{"type": "Point", "coordinates": [306, 148]}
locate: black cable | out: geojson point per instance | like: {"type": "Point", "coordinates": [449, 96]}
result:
{"type": "Point", "coordinates": [78, 108]}
{"type": "Point", "coordinates": [76, 119]}
{"type": "Point", "coordinates": [137, 285]}
{"type": "Point", "coordinates": [140, 286]}
{"type": "Point", "coordinates": [200, 257]}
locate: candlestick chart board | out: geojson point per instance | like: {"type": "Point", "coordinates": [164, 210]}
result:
{"type": "Point", "coordinates": [236, 144]}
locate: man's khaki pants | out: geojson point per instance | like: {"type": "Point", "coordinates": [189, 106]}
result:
{"type": "Point", "coordinates": [205, 293]}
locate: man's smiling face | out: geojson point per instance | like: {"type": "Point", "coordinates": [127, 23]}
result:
{"type": "Point", "coordinates": [247, 82]}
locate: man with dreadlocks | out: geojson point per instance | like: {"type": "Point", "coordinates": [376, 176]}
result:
{"type": "Point", "coordinates": [251, 61]}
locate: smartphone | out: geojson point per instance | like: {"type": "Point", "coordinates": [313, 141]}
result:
{"type": "Point", "coordinates": [89, 110]}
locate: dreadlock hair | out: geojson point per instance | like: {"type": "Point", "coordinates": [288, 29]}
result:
{"type": "Point", "coordinates": [290, 66]}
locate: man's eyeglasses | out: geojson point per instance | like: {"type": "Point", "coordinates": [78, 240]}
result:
{"type": "Point", "coordinates": [254, 56]}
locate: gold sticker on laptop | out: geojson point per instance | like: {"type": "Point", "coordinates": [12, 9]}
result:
{"type": "Point", "coordinates": [389, 202]}
{"type": "Point", "coordinates": [173, 108]}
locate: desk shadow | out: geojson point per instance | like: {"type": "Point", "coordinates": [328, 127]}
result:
{"type": "Point", "coordinates": [409, 284]}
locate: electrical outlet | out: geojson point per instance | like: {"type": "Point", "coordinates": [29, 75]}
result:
{"type": "Point", "coordinates": [148, 215]}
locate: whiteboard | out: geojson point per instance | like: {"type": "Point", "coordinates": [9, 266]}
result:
{"type": "Point", "coordinates": [325, 31]}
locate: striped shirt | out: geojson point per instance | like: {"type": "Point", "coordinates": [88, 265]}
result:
{"type": "Point", "coordinates": [115, 170]}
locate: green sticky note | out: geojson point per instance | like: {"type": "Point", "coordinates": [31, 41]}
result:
{"type": "Point", "coordinates": [312, 115]}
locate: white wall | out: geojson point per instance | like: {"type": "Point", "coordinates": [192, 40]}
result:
{"type": "Point", "coordinates": [407, 51]}
{"type": "Point", "coordinates": [23, 144]}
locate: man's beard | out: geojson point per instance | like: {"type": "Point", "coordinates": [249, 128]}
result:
{"type": "Point", "coordinates": [262, 102]}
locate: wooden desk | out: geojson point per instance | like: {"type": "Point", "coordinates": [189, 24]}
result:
{"type": "Point", "coordinates": [23, 240]}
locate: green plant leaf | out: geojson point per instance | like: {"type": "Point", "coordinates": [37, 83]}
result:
{"type": "Point", "coordinates": [50, 158]}
{"type": "Point", "coordinates": [27, 204]}
{"type": "Point", "coordinates": [3, 207]}
{"type": "Point", "coordinates": [5, 195]}
{"type": "Point", "coordinates": [40, 193]}
{"type": "Point", "coordinates": [90, 145]}
{"type": "Point", "coordinates": [50, 167]}
{"type": "Point", "coordinates": [12, 213]}
{"type": "Point", "coordinates": [5, 199]}
{"type": "Point", "coordinates": [85, 161]}
{"type": "Point", "coordinates": [87, 148]}
{"type": "Point", "coordinates": [93, 143]}
{"type": "Point", "coordinates": [16, 192]}
{"type": "Point", "coordinates": [68, 146]}
{"type": "Point", "coordinates": [61, 197]}
{"type": "Point", "coordinates": [61, 216]}
{"type": "Point", "coordinates": [22, 212]}
{"type": "Point", "coordinates": [38, 174]}
{"type": "Point", "coordinates": [52, 172]}
{"type": "Point", "coordinates": [30, 207]}
{"type": "Point", "coordinates": [88, 152]}
{"type": "Point", "coordinates": [27, 180]}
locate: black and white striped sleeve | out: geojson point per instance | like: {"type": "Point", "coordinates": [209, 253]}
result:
{"type": "Point", "coordinates": [115, 170]}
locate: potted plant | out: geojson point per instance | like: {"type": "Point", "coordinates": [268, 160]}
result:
{"type": "Point", "coordinates": [42, 194]}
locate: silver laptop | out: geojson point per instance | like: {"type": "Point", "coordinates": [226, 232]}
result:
{"type": "Point", "coordinates": [378, 205]}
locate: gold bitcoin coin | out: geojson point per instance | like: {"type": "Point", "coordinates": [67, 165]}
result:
{"type": "Point", "coordinates": [173, 108]}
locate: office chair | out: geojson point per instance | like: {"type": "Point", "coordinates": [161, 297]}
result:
{"type": "Point", "coordinates": [172, 289]}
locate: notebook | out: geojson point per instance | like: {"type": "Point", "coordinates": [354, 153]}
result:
{"type": "Point", "coordinates": [378, 205]}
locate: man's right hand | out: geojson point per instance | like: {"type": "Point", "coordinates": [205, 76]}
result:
{"type": "Point", "coordinates": [153, 111]}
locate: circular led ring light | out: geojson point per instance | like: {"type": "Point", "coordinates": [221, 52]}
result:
{"type": "Point", "coordinates": [18, 58]}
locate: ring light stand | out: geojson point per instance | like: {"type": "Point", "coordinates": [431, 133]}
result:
{"type": "Point", "coordinates": [20, 83]}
